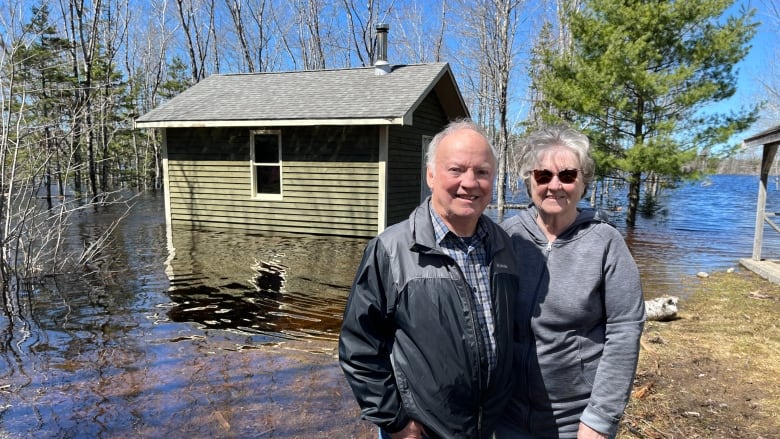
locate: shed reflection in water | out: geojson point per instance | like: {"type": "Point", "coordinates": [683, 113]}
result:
{"type": "Point", "coordinates": [278, 287]}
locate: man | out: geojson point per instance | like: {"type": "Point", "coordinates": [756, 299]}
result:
{"type": "Point", "coordinates": [426, 338]}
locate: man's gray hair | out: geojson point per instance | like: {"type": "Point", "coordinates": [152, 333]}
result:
{"type": "Point", "coordinates": [456, 125]}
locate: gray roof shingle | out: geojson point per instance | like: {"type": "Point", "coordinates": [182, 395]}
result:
{"type": "Point", "coordinates": [347, 94]}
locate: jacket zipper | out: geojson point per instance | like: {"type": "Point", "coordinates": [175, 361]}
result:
{"type": "Point", "coordinates": [479, 422]}
{"type": "Point", "coordinates": [548, 249]}
{"type": "Point", "coordinates": [478, 340]}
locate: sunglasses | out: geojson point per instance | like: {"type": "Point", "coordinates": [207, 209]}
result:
{"type": "Point", "coordinates": [543, 176]}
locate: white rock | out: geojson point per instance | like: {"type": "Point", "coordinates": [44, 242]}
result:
{"type": "Point", "coordinates": [662, 308]}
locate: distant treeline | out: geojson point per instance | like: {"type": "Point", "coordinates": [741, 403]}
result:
{"type": "Point", "coordinates": [743, 165]}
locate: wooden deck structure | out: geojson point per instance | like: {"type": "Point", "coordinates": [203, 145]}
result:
{"type": "Point", "coordinates": [767, 268]}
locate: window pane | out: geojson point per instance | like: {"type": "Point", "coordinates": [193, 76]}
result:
{"type": "Point", "coordinates": [266, 148]}
{"type": "Point", "coordinates": [268, 180]}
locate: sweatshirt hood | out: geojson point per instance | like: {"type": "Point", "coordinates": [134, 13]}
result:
{"type": "Point", "coordinates": [527, 219]}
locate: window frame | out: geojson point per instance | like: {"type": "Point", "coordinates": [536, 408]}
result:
{"type": "Point", "coordinates": [254, 166]}
{"type": "Point", "coordinates": [425, 191]}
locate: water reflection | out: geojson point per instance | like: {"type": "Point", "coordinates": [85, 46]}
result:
{"type": "Point", "coordinates": [288, 287]}
{"type": "Point", "coordinates": [108, 361]}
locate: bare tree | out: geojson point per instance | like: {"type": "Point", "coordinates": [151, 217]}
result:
{"type": "Point", "coordinates": [197, 22]}
{"type": "Point", "coordinates": [361, 27]}
{"type": "Point", "coordinates": [421, 34]}
{"type": "Point", "coordinates": [31, 232]}
{"type": "Point", "coordinates": [309, 35]}
{"type": "Point", "coordinates": [563, 8]}
{"type": "Point", "coordinates": [770, 81]}
{"type": "Point", "coordinates": [111, 103]}
{"type": "Point", "coordinates": [493, 26]}
{"type": "Point", "coordinates": [263, 18]}
{"type": "Point", "coordinates": [146, 63]}
{"type": "Point", "coordinates": [553, 35]}
{"type": "Point", "coordinates": [237, 15]}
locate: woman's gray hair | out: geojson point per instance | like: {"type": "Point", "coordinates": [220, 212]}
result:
{"type": "Point", "coordinates": [456, 125]}
{"type": "Point", "coordinates": [540, 141]}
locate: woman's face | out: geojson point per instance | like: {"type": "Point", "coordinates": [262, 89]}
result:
{"type": "Point", "coordinates": [549, 194]}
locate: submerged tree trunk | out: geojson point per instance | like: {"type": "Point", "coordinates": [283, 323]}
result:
{"type": "Point", "coordinates": [634, 186]}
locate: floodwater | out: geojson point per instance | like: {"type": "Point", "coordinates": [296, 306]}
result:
{"type": "Point", "coordinates": [223, 334]}
{"type": "Point", "coordinates": [702, 226]}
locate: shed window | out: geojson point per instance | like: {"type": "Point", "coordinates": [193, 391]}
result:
{"type": "Point", "coordinates": [267, 164]}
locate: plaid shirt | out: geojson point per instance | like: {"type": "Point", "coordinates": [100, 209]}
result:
{"type": "Point", "coordinates": [471, 255]}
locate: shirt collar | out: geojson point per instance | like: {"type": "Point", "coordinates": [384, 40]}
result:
{"type": "Point", "coordinates": [441, 231]}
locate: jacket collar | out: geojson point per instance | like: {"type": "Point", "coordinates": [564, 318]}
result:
{"type": "Point", "coordinates": [424, 236]}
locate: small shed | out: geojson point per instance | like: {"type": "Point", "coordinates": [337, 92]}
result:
{"type": "Point", "coordinates": [766, 268]}
{"type": "Point", "coordinates": [329, 152]}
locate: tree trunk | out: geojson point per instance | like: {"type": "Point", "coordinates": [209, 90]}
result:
{"type": "Point", "coordinates": [501, 179]}
{"type": "Point", "coordinates": [634, 185]}
{"type": "Point", "coordinates": [92, 164]}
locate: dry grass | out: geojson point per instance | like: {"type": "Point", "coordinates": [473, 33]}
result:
{"type": "Point", "coordinates": [714, 372]}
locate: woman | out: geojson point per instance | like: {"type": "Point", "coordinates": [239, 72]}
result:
{"type": "Point", "coordinates": [582, 302]}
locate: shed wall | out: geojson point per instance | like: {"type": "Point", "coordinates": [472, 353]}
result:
{"type": "Point", "coordinates": [406, 158]}
{"type": "Point", "coordinates": [329, 179]}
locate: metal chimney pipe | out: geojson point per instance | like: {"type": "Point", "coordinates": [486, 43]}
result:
{"type": "Point", "coordinates": [382, 67]}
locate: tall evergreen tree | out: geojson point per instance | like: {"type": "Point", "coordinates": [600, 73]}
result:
{"type": "Point", "coordinates": [47, 87]}
{"type": "Point", "coordinates": [639, 77]}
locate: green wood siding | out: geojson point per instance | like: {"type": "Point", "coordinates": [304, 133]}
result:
{"type": "Point", "coordinates": [405, 159]}
{"type": "Point", "coordinates": [329, 178]}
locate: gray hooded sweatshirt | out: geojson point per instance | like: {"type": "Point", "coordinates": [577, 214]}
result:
{"type": "Point", "coordinates": [580, 314]}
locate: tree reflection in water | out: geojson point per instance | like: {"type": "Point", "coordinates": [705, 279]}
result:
{"type": "Point", "coordinates": [253, 354]}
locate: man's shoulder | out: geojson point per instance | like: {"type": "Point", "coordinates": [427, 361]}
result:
{"type": "Point", "coordinates": [395, 230]}
{"type": "Point", "coordinates": [395, 235]}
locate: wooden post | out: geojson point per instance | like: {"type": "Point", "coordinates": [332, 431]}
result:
{"type": "Point", "coordinates": [767, 159]}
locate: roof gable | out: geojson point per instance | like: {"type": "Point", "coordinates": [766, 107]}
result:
{"type": "Point", "coordinates": [346, 96]}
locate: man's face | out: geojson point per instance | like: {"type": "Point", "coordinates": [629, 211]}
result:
{"type": "Point", "coordinates": [461, 180]}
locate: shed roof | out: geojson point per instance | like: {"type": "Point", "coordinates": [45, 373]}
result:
{"type": "Point", "coordinates": [356, 96]}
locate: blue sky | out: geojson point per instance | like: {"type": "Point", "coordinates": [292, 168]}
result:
{"type": "Point", "coordinates": [756, 65]}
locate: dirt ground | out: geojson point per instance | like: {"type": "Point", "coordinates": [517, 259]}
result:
{"type": "Point", "coordinates": [715, 371]}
